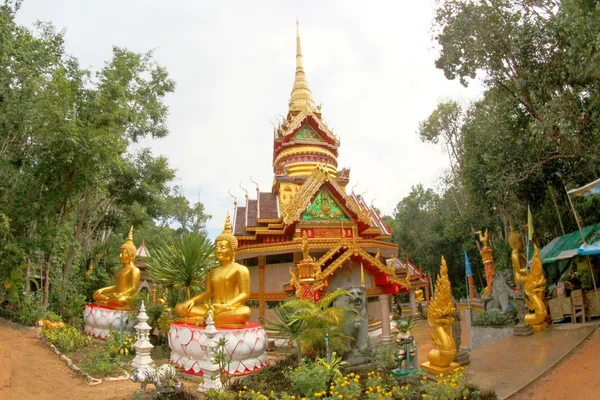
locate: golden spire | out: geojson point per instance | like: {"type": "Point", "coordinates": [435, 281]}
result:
{"type": "Point", "coordinates": [227, 234]}
{"type": "Point", "coordinates": [129, 243]}
{"type": "Point", "coordinates": [301, 97]}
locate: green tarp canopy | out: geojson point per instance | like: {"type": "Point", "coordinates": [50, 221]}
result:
{"type": "Point", "coordinates": [557, 254]}
{"type": "Point", "coordinates": [564, 247]}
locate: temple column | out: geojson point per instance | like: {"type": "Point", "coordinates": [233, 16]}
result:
{"type": "Point", "coordinates": [427, 294]}
{"type": "Point", "coordinates": [384, 301]}
{"type": "Point", "coordinates": [413, 303]}
{"type": "Point", "coordinates": [261, 286]}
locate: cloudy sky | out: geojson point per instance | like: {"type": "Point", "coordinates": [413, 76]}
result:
{"type": "Point", "coordinates": [371, 65]}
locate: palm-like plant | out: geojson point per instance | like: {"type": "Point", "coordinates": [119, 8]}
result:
{"type": "Point", "coordinates": [316, 321]}
{"type": "Point", "coordinates": [280, 322]}
{"type": "Point", "coordinates": [183, 263]}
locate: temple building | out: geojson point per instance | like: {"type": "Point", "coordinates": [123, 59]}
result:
{"type": "Point", "coordinates": [308, 235]}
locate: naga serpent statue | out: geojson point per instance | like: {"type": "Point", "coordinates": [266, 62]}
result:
{"type": "Point", "coordinates": [441, 312]}
{"type": "Point", "coordinates": [533, 283]}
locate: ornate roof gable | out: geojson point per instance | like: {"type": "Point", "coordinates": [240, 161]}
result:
{"type": "Point", "coordinates": [288, 131]}
{"type": "Point", "coordinates": [324, 207]}
{"type": "Point", "coordinates": [293, 211]}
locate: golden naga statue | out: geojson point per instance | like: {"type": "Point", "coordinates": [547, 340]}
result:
{"type": "Point", "coordinates": [227, 289]}
{"type": "Point", "coordinates": [419, 296]}
{"type": "Point", "coordinates": [533, 283]}
{"type": "Point", "coordinates": [440, 315]}
{"type": "Point", "coordinates": [127, 280]}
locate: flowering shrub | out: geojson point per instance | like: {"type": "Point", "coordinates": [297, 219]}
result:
{"type": "Point", "coordinates": [311, 381]}
{"type": "Point", "coordinates": [346, 387]}
{"type": "Point", "coordinates": [449, 387]}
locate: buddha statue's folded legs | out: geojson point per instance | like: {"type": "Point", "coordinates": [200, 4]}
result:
{"type": "Point", "coordinates": [226, 317]}
{"type": "Point", "coordinates": [112, 299]}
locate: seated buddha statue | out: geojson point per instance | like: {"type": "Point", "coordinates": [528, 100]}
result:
{"type": "Point", "coordinates": [127, 279]}
{"type": "Point", "coordinates": [227, 289]}
{"type": "Point", "coordinates": [419, 296]}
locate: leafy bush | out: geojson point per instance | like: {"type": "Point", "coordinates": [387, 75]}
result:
{"type": "Point", "coordinates": [384, 356]}
{"type": "Point", "coordinates": [493, 318]}
{"type": "Point", "coordinates": [309, 378]}
{"type": "Point", "coordinates": [68, 300]}
{"type": "Point", "coordinates": [117, 347]}
{"type": "Point", "coordinates": [29, 309]}
{"type": "Point", "coordinates": [66, 339]}
{"type": "Point", "coordinates": [99, 363]}
{"type": "Point", "coordinates": [267, 379]}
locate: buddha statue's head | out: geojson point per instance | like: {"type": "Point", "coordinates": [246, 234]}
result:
{"type": "Point", "coordinates": [127, 250]}
{"type": "Point", "coordinates": [226, 243]}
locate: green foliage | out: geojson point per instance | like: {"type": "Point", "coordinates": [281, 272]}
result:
{"type": "Point", "coordinates": [311, 322]}
{"type": "Point", "coordinates": [384, 356]}
{"type": "Point", "coordinates": [222, 359]}
{"type": "Point", "coordinates": [214, 394]}
{"type": "Point", "coordinates": [310, 377]}
{"type": "Point", "coordinates": [492, 318]}
{"type": "Point", "coordinates": [66, 339]}
{"type": "Point", "coordinates": [271, 378]}
{"type": "Point", "coordinates": [68, 300]}
{"type": "Point", "coordinates": [585, 278]}
{"type": "Point", "coordinates": [334, 365]}
{"type": "Point", "coordinates": [67, 159]}
{"type": "Point", "coordinates": [183, 262]}
{"type": "Point", "coordinates": [99, 363]}
{"type": "Point", "coordinates": [30, 310]}
{"type": "Point", "coordinates": [118, 345]}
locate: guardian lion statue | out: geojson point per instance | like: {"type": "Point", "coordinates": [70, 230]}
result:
{"type": "Point", "coordinates": [502, 289]}
{"type": "Point", "coordinates": [357, 324]}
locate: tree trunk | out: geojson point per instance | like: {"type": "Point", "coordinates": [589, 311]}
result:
{"type": "Point", "coordinates": [46, 273]}
{"type": "Point", "coordinates": [77, 236]}
{"type": "Point", "coordinates": [562, 228]}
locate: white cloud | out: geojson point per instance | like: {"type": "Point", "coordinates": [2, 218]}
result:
{"type": "Point", "coordinates": [371, 65]}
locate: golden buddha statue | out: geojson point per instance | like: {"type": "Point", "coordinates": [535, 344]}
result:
{"type": "Point", "coordinates": [419, 296]}
{"type": "Point", "coordinates": [127, 279]}
{"type": "Point", "coordinates": [227, 289]}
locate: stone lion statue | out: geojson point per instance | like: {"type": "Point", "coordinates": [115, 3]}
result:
{"type": "Point", "coordinates": [356, 325]}
{"type": "Point", "coordinates": [502, 289]}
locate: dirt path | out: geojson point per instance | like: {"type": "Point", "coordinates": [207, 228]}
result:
{"type": "Point", "coordinates": [574, 377]}
{"type": "Point", "coordinates": [28, 370]}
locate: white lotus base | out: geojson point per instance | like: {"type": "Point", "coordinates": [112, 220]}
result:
{"type": "Point", "coordinates": [101, 320]}
{"type": "Point", "coordinates": [245, 346]}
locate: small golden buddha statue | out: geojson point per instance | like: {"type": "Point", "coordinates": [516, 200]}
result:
{"type": "Point", "coordinates": [227, 289]}
{"type": "Point", "coordinates": [127, 279]}
{"type": "Point", "coordinates": [419, 296]}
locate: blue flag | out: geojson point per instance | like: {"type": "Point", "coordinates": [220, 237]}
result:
{"type": "Point", "coordinates": [468, 265]}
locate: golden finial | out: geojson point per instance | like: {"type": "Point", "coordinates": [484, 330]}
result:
{"type": "Point", "coordinates": [301, 96]}
{"type": "Point", "coordinates": [234, 198]}
{"type": "Point", "coordinates": [128, 245]}
{"type": "Point", "coordinates": [252, 180]}
{"type": "Point", "coordinates": [245, 191]}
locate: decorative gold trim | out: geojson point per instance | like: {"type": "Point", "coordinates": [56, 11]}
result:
{"type": "Point", "coordinates": [293, 211]}
{"type": "Point", "coordinates": [302, 150]}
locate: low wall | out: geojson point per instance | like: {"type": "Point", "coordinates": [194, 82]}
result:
{"type": "Point", "coordinates": [481, 336]}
